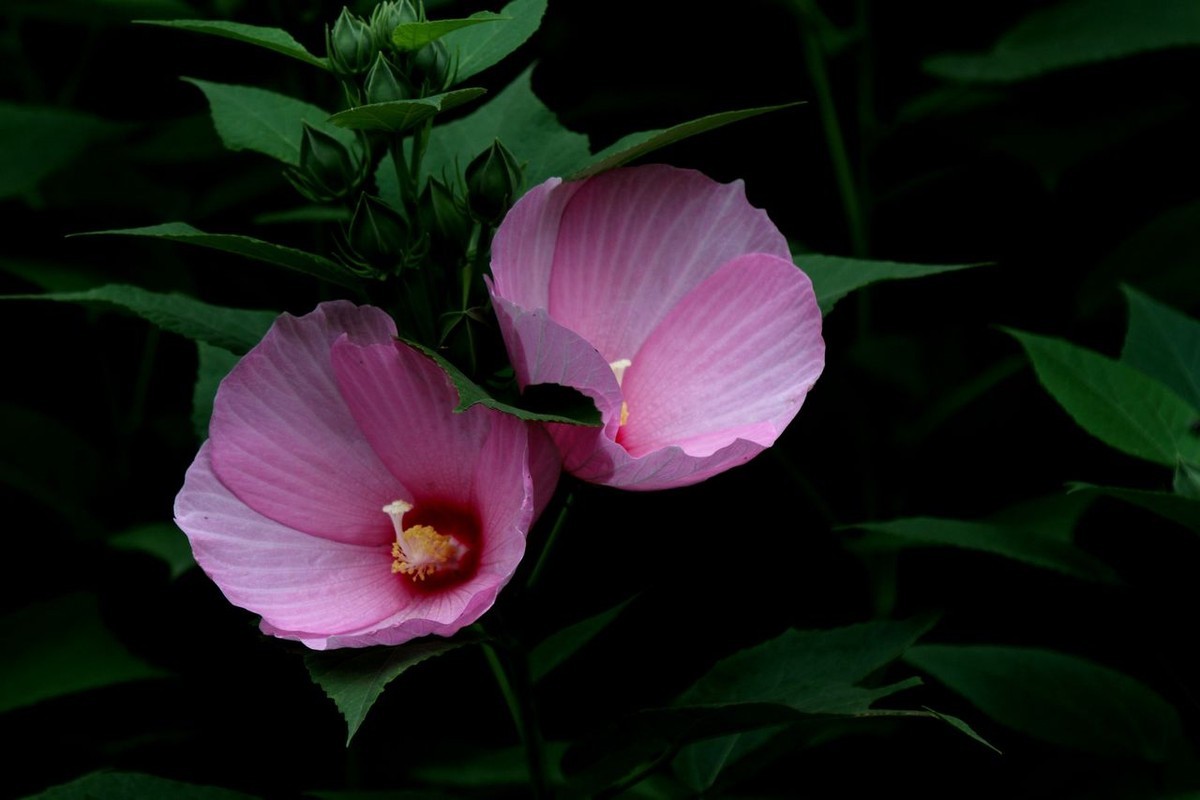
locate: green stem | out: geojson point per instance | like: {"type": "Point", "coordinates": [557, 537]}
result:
{"type": "Point", "coordinates": [479, 265]}
{"type": "Point", "coordinates": [420, 143]}
{"type": "Point", "coordinates": [814, 60]}
{"type": "Point", "coordinates": [517, 689]}
{"type": "Point", "coordinates": [543, 557]}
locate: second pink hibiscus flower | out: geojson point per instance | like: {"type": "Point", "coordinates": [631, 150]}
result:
{"type": "Point", "coordinates": [671, 302]}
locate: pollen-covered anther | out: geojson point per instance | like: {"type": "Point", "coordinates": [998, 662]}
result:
{"type": "Point", "coordinates": [419, 551]}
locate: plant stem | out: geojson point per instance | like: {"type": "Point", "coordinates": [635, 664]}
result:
{"type": "Point", "coordinates": [517, 688]}
{"type": "Point", "coordinates": [546, 548]}
{"type": "Point", "coordinates": [814, 60]}
{"type": "Point", "coordinates": [420, 141]}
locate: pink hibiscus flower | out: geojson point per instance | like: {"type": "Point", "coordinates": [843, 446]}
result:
{"type": "Point", "coordinates": [671, 302]}
{"type": "Point", "coordinates": [341, 498]}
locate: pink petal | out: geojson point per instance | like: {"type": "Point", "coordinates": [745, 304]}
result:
{"type": "Point", "coordinates": [545, 467]}
{"type": "Point", "coordinates": [283, 440]}
{"type": "Point", "coordinates": [632, 242]}
{"type": "Point", "coordinates": [297, 582]}
{"type": "Point", "coordinates": [611, 464]}
{"type": "Point", "coordinates": [733, 360]}
{"type": "Point", "coordinates": [403, 405]}
{"type": "Point", "coordinates": [523, 247]}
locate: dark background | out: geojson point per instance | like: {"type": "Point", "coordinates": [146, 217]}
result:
{"type": "Point", "coordinates": [1068, 185]}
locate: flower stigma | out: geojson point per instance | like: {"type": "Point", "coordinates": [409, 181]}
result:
{"type": "Point", "coordinates": [618, 367]}
{"type": "Point", "coordinates": [420, 551]}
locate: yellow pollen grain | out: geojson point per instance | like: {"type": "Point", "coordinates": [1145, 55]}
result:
{"type": "Point", "coordinates": [624, 412]}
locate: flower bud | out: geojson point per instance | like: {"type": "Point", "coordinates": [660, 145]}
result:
{"type": "Point", "coordinates": [327, 171]}
{"type": "Point", "coordinates": [493, 180]}
{"type": "Point", "coordinates": [349, 45]}
{"type": "Point", "coordinates": [446, 221]}
{"type": "Point", "coordinates": [386, 17]}
{"type": "Point", "coordinates": [431, 67]}
{"type": "Point", "coordinates": [377, 235]}
{"type": "Point", "coordinates": [383, 83]}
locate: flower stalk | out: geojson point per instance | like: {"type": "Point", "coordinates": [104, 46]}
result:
{"type": "Point", "coordinates": [513, 677]}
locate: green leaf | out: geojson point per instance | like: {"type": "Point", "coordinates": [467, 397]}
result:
{"type": "Point", "coordinates": [1115, 402]}
{"type": "Point", "coordinates": [354, 678]}
{"type": "Point", "coordinates": [387, 182]}
{"type": "Point", "coordinates": [1058, 698]}
{"type": "Point", "coordinates": [561, 645]}
{"type": "Point", "coordinates": [413, 36]}
{"type": "Point", "coordinates": [834, 277]}
{"type": "Point", "coordinates": [1187, 481]}
{"type": "Point", "coordinates": [561, 403]}
{"type": "Point", "coordinates": [814, 672]}
{"type": "Point", "coordinates": [247, 118]}
{"type": "Point", "coordinates": [1039, 535]}
{"type": "Point", "coordinates": [476, 48]}
{"type": "Point", "coordinates": [700, 764]}
{"type": "Point", "coordinates": [298, 260]}
{"type": "Point", "coordinates": [134, 786]}
{"type": "Point", "coordinates": [212, 365]}
{"type": "Point", "coordinates": [51, 277]}
{"type": "Point", "coordinates": [811, 671]}
{"type": "Point", "coordinates": [43, 644]}
{"type": "Point", "coordinates": [163, 540]}
{"type": "Point", "coordinates": [522, 122]}
{"type": "Point", "coordinates": [1164, 344]}
{"type": "Point", "coordinates": [36, 142]}
{"type": "Point", "coordinates": [636, 145]}
{"type": "Point", "coordinates": [964, 728]}
{"type": "Point", "coordinates": [1074, 34]}
{"type": "Point", "coordinates": [1170, 242]}
{"type": "Point", "coordinates": [235, 329]}
{"type": "Point", "coordinates": [271, 38]}
{"type": "Point", "coordinates": [1173, 506]}
{"type": "Point", "coordinates": [400, 115]}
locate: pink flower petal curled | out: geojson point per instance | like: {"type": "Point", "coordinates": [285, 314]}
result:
{"type": "Point", "coordinates": [679, 277]}
{"type": "Point", "coordinates": [733, 360]}
{"type": "Point", "coordinates": [362, 421]}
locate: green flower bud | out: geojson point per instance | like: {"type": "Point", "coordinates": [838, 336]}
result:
{"type": "Point", "coordinates": [386, 17]}
{"type": "Point", "coordinates": [349, 45]}
{"type": "Point", "coordinates": [446, 221]}
{"type": "Point", "coordinates": [377, 236]}
{"type": "Point", "coordinates": [328, 171]}
{"type": "Point", "coordinates": [493, 180]}
{"type": "Point", "coordinates": [432, 67]}
{"type": "Point", "coordinates": [384, 84]}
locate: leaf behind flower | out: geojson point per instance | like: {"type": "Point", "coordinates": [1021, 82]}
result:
{"type": "Point", "coordinates": [834, 277]}
{"type": "Point", "coordinates": [539, 403]}
{"type": "Point", "coordinates": [353, 678]}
